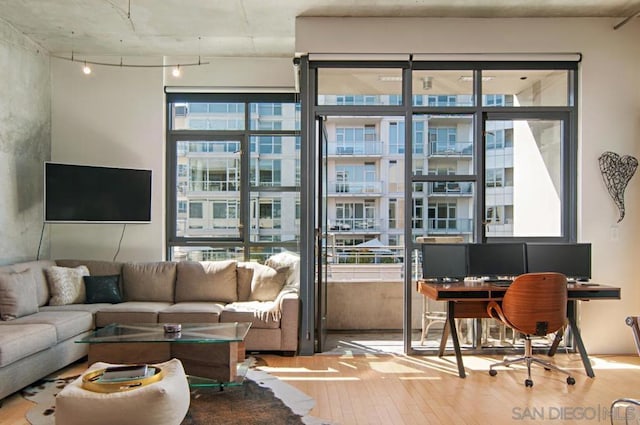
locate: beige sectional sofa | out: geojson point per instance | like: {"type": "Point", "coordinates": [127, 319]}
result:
{"type": "Point", "coordinates": [38, 338]}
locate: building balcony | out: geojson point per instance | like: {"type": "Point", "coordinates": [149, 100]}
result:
{"type": "Point", "coordinates": [450, 189]}
{"type": "Point", "coordinates": [204, 186]}
{"type": "Point", "coordinates": [339, 188]}
{"type": "Point", "coordinates": [446, 226]}
{"type": "Point", "coordinates": [355, 225]}
{"type": "Point", "coordinates": [355, 148]}
{"type": "Point", "coordinates": [450, 150]}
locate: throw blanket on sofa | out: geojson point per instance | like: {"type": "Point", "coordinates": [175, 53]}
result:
{"type": "Point", "coordinates": [265, 310]}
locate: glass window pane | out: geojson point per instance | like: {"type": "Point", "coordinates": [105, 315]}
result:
{"type": "Point", "coordinates": [274, 216]}
{"type": "Point", "coordinates": [443, 141]}
{"type": "Point", "coordinates": [261, 253]}
{"type": "Point", "coordinates": [274, 116]}
{"type": "Point", "coordinates": [208, 180]}
{"type": "Point", "coordinates": [359, 86]}
{"type": "Point", "coordinates": [352, 138]}
{"type": "Point", "coordinates": [443, 209]}
{"type": "Point", "coordinates": [523, 178]}
{"type": "Point", "coordinates": [274, 161]}
{"type": "Point", "coordinates": [442, 88]}
{"type": "Point", "coordinates": [208, 116]}
{"type": "Point", "coordinates": [525, 88]}
{"type": "Point", "coordinates": [206, 253]}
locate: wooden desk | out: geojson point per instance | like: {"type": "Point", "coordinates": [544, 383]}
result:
{"type": "Point", "coordinates": [469, 299]}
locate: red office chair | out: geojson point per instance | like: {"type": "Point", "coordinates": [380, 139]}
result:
{"type": "Point", "coordinates": [535, 304]}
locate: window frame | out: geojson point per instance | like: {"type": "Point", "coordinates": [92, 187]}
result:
{"type": "Point", "coordinates": [243, 136]}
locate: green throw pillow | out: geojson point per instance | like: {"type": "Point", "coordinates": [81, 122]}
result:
{"type": "Point", "coordinates": [102, 289]}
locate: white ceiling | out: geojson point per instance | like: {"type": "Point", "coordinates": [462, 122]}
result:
{"type": "Point", "coordinates": [243, 27]}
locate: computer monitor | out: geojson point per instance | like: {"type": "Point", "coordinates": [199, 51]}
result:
{"type": "Point", "coordinates": [571, 259]}
{"type": "Point", "coordinates": [443, 262]}
{"type": "Point", "coordinates": [495, 260]}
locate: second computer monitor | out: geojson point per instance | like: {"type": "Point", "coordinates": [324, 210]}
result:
{"type": "Point", "coordinates": [496, 259]}
{"type": "Point", "coordinates": [571, 259]}
{"type": "Point", "coordinates": [444, 262]}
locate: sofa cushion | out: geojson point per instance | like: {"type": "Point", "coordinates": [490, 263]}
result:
{"type": "Point", "coordinates": [266, 282]}
{"type": "Point", "coordinates": [96, 267]}
{"type": "Point", "coordinates": [149, 281]}
{"type": "Point", "coordinates": [67, 324]}
{"type": "Point", "coordinates": [103, 289]}
{"type": "Point", "coordinates": [206, 281]}
{"type": "Point", "coordinates": [66, 285]}
{"type": "Point", "coordinates": [19, 341]}
{"type": "Point", "coordinates": [244, 273]}
{"type": "Point", "coordinates": [191, 312]}
{"type": "Point", "coordinates": [18, 295]}
{"type": "Point", "coordinates": [130, 312]}
{"type": "Point", "coordinates": [91, 308]}
{"type": "Point", "coordinates": [37, 267]}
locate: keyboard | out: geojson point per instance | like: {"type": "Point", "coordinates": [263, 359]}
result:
{"type": "Point", "coordinates": [500, 282]}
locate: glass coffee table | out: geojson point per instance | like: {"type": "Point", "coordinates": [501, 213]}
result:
{"type": "Point", "coordinates": [211, 353]}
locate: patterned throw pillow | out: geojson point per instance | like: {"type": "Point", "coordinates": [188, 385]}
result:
{"type": "Point", "coordinates": [66, 285]}
{"type": "Point", "coordinates": [18, 295]}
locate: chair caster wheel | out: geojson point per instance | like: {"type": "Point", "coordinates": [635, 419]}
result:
{"type": "Point", "coordinates": [570, 380]}
{"type": "Point", "coordinates": [493, 372]}
{"type": "Point", "coordinates": [528, 383]}
{"type": "Point", "coordinates": [547, 369]}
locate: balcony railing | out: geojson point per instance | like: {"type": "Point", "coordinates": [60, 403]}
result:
{"type": "Point", "coordinates": [450, 188]}
{"type": "Point", "coordinates": [449, 226]}
{"type": "Point", "coordinates": [213, 186]}
{"type": "Point", "coordinates": [355, 225]}
{"type": "Point", "coordinates": [359, 147]}
{"type": "Point", "coordinates": [352, 187]}
{"type": "Point", "coordinates": [437, 148]}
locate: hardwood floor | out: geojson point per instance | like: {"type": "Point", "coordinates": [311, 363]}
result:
{"type": "Point", "coordinates": [395, 389]}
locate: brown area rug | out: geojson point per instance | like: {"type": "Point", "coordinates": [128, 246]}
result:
{"type": "Point", "coordinates": [248, 404]}
{"type": "Point", "coordinates": [262, 399]}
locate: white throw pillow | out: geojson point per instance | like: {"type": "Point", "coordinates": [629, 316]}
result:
{"type": "Point", "coordinates": [66, 284]}
{"type": "Point", "coordinates": [266, 282]}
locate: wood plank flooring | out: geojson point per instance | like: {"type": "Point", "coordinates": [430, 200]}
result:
{"type": "Point", "coordinates": [376, 389]}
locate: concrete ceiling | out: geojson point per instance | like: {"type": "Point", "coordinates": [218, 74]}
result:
{"type": "Point", "coordinates": [244, 27]}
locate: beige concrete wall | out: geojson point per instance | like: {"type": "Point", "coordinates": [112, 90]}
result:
{"type": "Point", "coordinates": [25, 144]}
{"type": "Point", "coordinates": [609, 119]}
{"type": "Point", "coordinates": [113, 117]}
{"type": "Point", "coordinates": [366, 305]}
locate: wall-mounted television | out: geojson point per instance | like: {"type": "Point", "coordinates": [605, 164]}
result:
{"type": "Point", "coordinates": [83, 193]}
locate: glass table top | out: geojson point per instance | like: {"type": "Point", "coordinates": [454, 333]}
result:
{"type": "Point", "coordinates": [154, 332]}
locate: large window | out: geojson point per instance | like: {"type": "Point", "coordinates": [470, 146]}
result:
{"type": "Point", "coordinates": [234, 176]}
{"type": "Point", "coordinates": [518, 124]}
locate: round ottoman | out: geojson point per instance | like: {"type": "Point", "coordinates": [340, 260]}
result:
{"type": "Point", "coordinates": [161, 403]}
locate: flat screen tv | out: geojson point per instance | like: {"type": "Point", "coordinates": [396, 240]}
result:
{"type": "Point", "coordinates": [442, 262]}
{"type": "Point", "coordinates": [82, 193]}
{"type": "Point", "coordinates": [494, 260]}
{"type": "Point", "coordinates": [571, 259]}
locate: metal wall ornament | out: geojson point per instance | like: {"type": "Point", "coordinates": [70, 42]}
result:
{"type": "Point", "coordinates": [616, 172]}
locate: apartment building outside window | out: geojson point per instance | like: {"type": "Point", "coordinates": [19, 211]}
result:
{"type": "Point", "coordinates": [233, 166]}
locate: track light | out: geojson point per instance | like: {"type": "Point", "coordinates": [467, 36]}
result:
{"type": "Point", "coordinates": [176, 71]}
{"type": "Point", "coordinates": [86, 69]}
